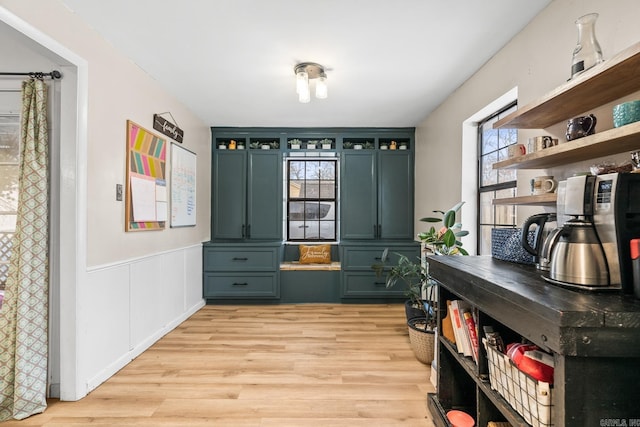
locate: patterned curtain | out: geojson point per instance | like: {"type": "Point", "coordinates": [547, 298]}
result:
{"type": "Point", "coordinates": [24, 313]}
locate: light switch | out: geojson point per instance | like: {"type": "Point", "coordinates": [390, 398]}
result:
{"type": "Point", "coordinates": [119, 192]}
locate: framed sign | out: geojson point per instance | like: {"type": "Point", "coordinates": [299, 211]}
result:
{"type": "Point", "coordinates": [146, 204]}
{"type": "Point", "coordinates": [183, 187]}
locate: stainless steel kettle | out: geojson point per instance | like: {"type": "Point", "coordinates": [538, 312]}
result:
{"type": "Point", "coordinates": [544, 237]}
{"type": "Point", "coordinates": [578, 257]}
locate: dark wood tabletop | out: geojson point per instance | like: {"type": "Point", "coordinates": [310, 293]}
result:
{"type": "Point", "coordinates": [567, 321]}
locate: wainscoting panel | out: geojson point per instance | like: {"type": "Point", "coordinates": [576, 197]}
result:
{"type": "Point", "coordinates": [135, 303]}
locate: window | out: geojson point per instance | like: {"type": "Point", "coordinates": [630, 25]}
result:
{"type": "Point", "coordinates": [311, 199]}
{"type": "Point", "coordinates": [494, 183]}
{"type": "Point", "coordinates": [9, 166]}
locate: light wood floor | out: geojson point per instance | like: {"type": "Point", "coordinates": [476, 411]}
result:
{"type": "Point", "coordinates": [280, 365]}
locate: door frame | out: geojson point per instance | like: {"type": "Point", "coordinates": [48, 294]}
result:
{"type": "Point", "coordinates": [69, 236]}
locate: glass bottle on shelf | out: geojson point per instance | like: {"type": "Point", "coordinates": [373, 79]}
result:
{"type": "Point", "coordinates": [587, 52]}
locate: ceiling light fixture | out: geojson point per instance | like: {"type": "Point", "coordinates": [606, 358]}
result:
{"type": "Point", "coordinates": [306, 71]}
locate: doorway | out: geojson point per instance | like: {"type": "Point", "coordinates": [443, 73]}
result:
{"type": "Point", "coordinates": [27, 50]}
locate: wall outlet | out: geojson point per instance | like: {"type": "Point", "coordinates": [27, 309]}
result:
{"type": "Point", "coordinates": [119, 192]}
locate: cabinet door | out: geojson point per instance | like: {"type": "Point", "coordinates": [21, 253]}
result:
{"type": "Point", "coordinates": [229, 194]}
{"type": "Point", "coordinates": [395, 195]}
{"type": "Point", "coordinates": [264, 197]}
{"type": "Point", "coordinates": [358, 211]}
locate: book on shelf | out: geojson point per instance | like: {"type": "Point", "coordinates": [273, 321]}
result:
{"type": "Point", "coordinates": [463, 342]}
{"type": "Point", "coordinates": [473, 334]}
{"type": "Point", "coordinates": [447, 326]}
{"type": "Point", "coordinates": [456, 326]}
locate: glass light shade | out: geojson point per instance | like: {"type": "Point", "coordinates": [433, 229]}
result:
{"type": "Point", "coordinates": [304, 95]}
{"type": "Point", "coordinates": [321, 87]}
{"type": "Point", "coordinates": [302, 82]}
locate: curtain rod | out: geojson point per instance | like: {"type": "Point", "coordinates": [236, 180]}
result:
{"type": "Point", "coordinates": [55, 74]}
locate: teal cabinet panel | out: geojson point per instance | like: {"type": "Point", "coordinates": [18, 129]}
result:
{"type": "Point", "coordinates": [240, 259]}
{"type": "Point", "coordinates": [358, 210]}
{"type": "Point", "coordinates": [364, 284]}
{"type": "Point", "coordinates": [264, 196]}
{"type": "Point", "coordinates": [377, 195]}
{"type": "Point", "coordinates": [247, 195]}
{"type": "Point", "coordinates": [309, 286]}
{"type": "Point", "coordinates": [246, 285]}
{"type": "Point", "coordinates": [229, 192]}
{"type": "Point", "coordinates": [395, 192]}
{"type": "Point", "coordinates": [362, 258]}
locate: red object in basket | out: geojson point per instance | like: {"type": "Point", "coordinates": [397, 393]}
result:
{"type": "Point", "coordinates": [460, 419]}
{"type": "Point", "coordinates": [532, 367]}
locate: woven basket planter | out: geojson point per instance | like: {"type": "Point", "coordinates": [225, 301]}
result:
{"type": "Point", "coordinates": [422, 342]}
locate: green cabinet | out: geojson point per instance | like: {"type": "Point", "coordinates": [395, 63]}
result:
{"type": "Point", "coordinates": [241, 270]}
{"type": "Point", "coordinates": [358, 278]}
{"type": "Point", "coordinates": [247, 195]}
{"type": "Point", "coordinates": [377, 195]}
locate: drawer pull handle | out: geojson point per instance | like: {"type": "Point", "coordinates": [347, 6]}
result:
{"type": "Point", "coordinates": [240, 284]}
{"type": "Point", "coordinates": [380, 283]}
{"type": "Point", "coordinates": [239, 259]}
{"type": "Point", "coordinates": [378, 258]}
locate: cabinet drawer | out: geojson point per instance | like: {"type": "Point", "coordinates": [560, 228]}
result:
{"type": "Point", "coordinates": [367, 285]}
{"type": "Point", "coordinates": [359, 258]}
{"type": "Point", "coordinates": [249, 285]}
{"type": "Point", "coordinates": [240, 259]}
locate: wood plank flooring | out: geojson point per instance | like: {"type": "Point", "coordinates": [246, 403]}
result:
{"type": "Point", "coordinates": [276, 365]}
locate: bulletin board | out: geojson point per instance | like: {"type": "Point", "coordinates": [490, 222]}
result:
{"type": "Point", "coordinates": [183, 187]}
{"type": "Point", "coordinates": [146, 199]}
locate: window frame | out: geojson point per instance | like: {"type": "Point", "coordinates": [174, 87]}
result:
{"type": "Point", "coordinates": [6, 236]}
{"type": "Point", "coordinates": [288, 200]}
{"type": "Point", "coordinates": [496, 187]}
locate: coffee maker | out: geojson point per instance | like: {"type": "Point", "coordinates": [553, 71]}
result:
{"type": "Point", "coordinates": [593, 248]}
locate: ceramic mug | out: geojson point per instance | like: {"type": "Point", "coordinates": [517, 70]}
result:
{"type": "Point", "coordinates": [516, 150]}
{"type": "Point", "coordinates": [543, 184]}
{"type": "Point", "coordinates": [538, 143]}
{"type": "Point", "coordinates": [580, 127]}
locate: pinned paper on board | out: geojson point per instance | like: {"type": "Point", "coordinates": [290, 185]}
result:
{"type": "Point", "coordinates": [146, 201]}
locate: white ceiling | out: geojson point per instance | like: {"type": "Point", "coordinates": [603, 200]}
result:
{"type": "Point", "coordinates": [390, 62]}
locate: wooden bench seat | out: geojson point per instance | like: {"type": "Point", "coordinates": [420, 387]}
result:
{"type": "Point", "coordinates": [296, 266]}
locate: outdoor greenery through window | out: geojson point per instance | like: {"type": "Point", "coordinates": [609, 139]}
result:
{"type": "Point", "coordinates": [311, 199]}
{"type": "Point", "coordinates": [494, 183]}
{"type": "Point", "coordinates": [9, 165]}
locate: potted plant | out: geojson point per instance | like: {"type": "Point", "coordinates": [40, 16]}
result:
{"type": "Point", "coordinates": [415, 276]}
{"type": "Point", "coordinates": [409, 273]}
{"type": "Point", "coordinates": [295, 144]}
{"type": "Point", "coordinates": [444, 241]}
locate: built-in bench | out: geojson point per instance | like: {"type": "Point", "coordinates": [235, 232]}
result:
{"type": "Point", "coordinates": [303, 283]}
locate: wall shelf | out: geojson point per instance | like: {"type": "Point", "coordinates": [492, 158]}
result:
{"type": "Point", "coordinates": [535, 200]}
{"type": "Point", "coordinates": [605, 143]}
{"type": "Point", "coordinates": [606, 82]}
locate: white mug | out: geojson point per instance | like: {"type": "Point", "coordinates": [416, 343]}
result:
{"type": "Point", "coordinates": [543, 184]}
{"type": "Point", "coordinates": [516, 150]}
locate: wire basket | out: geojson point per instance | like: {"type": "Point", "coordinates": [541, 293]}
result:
{"type": "Point", "coordinates": [529, 397]}
{"type": "Point", "coordinates": [422, 342]}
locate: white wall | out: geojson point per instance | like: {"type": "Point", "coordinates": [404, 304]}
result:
{"type": "Point", "coordinates": [119, 292]}
{"type": "Point", "coordinates": [535, 61]}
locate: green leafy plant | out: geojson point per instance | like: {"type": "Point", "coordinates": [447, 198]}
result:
{"type": "Point", "coordinates": [412, 275]}
{"type": "Point", "coordinates": [445, 240]}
